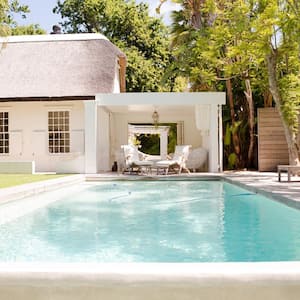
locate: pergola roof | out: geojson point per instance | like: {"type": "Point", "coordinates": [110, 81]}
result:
{"type": "Point", "coordinates": [57, 66]}
{"type": "Point", "coordinates": [142, 102]}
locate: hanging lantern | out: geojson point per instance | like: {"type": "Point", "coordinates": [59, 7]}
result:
{"type": "Point", "coordinates": [155, 118]}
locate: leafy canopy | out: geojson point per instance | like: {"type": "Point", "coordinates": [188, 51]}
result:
{"type": "Point", "coordinates": [8, 26]}
{"type": "Point", "coordinates": [144, 39]}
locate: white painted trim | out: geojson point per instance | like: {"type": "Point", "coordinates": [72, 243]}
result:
{"type": "Point", "coordinates": [59, 107]}
{"type": "Point", "coordinates": [53, 37]}
{"type": "Point", "coordinates": [5, 108]}
{"type": "Point", "coordinates": [172, 99]}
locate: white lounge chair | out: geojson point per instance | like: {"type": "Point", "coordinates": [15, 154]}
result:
{"type": "Point", "coordinates": [135, 161]}
{"type": "Point", "coordinates": [178, 161]}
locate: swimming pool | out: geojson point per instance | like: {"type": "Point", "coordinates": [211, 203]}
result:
{"type": "Point", "coordinates": [151, 221]}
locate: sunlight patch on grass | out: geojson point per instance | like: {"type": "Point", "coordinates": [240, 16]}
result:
{"type": "Point", "coordinates": [9, 180]}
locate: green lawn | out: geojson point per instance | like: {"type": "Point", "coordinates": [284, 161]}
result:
{"type": "Point", "coordinates": [8, 180]}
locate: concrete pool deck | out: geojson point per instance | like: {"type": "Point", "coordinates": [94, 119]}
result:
{"type": "Point", "coordinates": [267, 183]}
{"type": "Point", "coordinates": [134, 281]}
{"type": "Point", "coordinates": [33, 188]}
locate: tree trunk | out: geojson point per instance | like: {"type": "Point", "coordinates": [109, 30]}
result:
{"type": "Point", "coordinates": [274, 88]}
{"type": "Point", "coordinates": [251, 121]}
{"type": "Point", "coordinates": [235, 137]}
{"type": "Point", "coordinates": [195, 18]}
{"type": "Point", "coordinates": [268, 99]}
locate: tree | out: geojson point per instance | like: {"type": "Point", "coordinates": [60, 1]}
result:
{"type": "Point", "coordinates": [207, 38]}
{"type": "Point", "coordinates": [231, 42]}
{"type": "Point", "coordinates": [248, 44]}
{"type": "Point", "coordinates": [31, 29]}
{"type": "Point", "coordinates": [3, 16]}
{"type": "Point", "coordinates": [8, 26]}
{"type": "Point", "coordinates": [144, 39]}
{"type": "Point", "coordinates": [7, 9]}
{"type": "Point", "coordinates": [278, 34]}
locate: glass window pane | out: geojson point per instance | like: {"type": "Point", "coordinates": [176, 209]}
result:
{"type": "Point", "coordinates": [58, 126]}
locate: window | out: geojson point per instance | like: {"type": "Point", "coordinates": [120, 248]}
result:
{"type": "Point", "coordinates": [59, 131]}
{"type": "Point", "coordinates": [4, 135]}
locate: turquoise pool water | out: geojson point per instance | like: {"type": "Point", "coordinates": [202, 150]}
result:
{"type": "Point", "coordinates": [153, 221]}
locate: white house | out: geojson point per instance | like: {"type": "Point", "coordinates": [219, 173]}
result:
{"type": "Point", "coordinates": [62, 106]}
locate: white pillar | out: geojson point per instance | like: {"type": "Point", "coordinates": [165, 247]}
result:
{"type": "Point", "coordinates": [163, 144]}
{"type": "Point", "coordinates": [104, 140]}
{"type": "Point", "coordinates": [90, 117]}
{"type": "Point", "coordinates": [220, 130]}
{"type": "Point", "coordinates": [213, 160]}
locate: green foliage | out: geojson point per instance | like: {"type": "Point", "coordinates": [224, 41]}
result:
{"type": "Point", "coordinates": [172, 138]}
{"type": "Point", "coordinates": [232, 160]}
{"type": "Point", "coordinates": [227, 136]}
{"type": "Point", "coordinates": [150, 143]}
{"type": "Point", "coordinates": [8, 26]}
{"type": "Point", "coordinates": [4, 8]}
{"type": "Point", "coordinates": [142, 38]}
{"type": "Point", "coordinates": [290, 90]}
{"type": "Point", "coordinates": [278, 28]}
{"type": "Point", "coordinates": [231, 42]}
{"type": "Point", "coordinates": [32, 29]}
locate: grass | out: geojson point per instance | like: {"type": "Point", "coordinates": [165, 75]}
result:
{"type": "Point", "coordinates": [9, 180]}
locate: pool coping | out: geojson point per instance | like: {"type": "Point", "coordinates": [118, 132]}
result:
{"type": "Point", "coordinates": [21, 191]}
{"type": "Point", "coordinates": [151, 281]}
{"type": "Point", "coordinates": [157, 271]}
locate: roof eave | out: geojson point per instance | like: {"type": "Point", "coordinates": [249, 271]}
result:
{"type": "Point", "coordinates": [58, 98]}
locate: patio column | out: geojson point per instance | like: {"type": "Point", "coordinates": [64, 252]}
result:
{"type": "Point", "coordinates": [220, 131]}
{"type": "Point", "coordinates": [163, 144]}
{"type": "Point", "coordinates": [90, 119]}
{"type": "Point", "coordinates": [214, 147]}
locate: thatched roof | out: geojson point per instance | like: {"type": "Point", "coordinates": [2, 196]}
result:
{"type": "Point", "coordinates": [56, 67]}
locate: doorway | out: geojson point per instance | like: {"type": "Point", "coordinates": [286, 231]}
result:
{"type": "Point", "coordinates": [157, 140]}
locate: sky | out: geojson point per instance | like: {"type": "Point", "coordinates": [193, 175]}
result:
{"type": "Point", "coordinates": [41, 12]}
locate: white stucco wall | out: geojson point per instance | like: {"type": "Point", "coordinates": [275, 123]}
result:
{"type": "Point", "coordinates": [28, 129]}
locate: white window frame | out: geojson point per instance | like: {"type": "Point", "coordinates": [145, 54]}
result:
{"type": "Point", "coordinates": [4, 133]}
{"type": "Point", "coordinates": [59, 131]}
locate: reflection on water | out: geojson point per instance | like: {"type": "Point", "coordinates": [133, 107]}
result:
{"type": "Point", "coordinates": [169, 221]}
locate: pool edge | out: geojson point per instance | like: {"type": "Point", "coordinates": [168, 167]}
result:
{"type": "Point", "coordinates": [134, 281]}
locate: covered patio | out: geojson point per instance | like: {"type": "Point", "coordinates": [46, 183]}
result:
{"type": "Point", "coordinates": [107, 119]}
